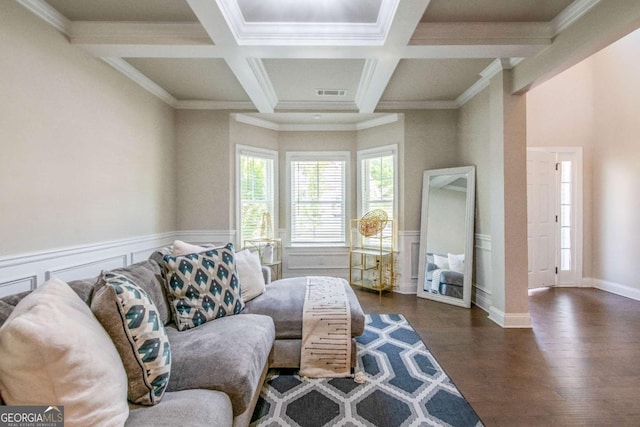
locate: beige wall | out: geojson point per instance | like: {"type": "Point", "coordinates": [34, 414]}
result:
{"type": "Point", "coordinates": [616, 163]}
{"type": "Point", "coordinates": [204, 160]}
{"type": "Point", "coordinates": [473, 136]}
{"type": "Point", "coordinates": [594, 105]}
{"type": "Point", "coordinates": [430, 143]}
{"type": "Point", "coordinates": [87, 155]}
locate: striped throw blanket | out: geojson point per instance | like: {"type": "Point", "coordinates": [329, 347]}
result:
{"type": "Point", "coordinates": [326, 329]}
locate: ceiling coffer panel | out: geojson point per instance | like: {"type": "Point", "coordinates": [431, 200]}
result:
{"type": "Point", "coordinates": [125, 10]}
{"type": "Point", "coordinates": [300, 79]}
{"type": "Point", "coordinates": [192, 79]}
{"type": "Point", "coordinates": [433, 79]}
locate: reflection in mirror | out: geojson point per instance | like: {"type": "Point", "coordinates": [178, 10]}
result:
{"type": "Point", "coordinates": [446, 235]}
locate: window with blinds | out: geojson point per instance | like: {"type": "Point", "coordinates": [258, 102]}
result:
{"type": "Point", "coordinates": [318, 195]}
{"type": "Point", "coordinates": [377, 180]}
{"type": "Point", "coordinates": [257, 185]}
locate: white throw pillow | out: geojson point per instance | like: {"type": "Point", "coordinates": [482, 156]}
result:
{"type": "Point", "coordinates": [181, 248]}
{"type": "Point", "coordinates": [442, 262]}
{"type": "Point", "coordinates": [456, 262]}
{"type": "Point", "coordinates": [250, 274]}
{"type": "Point", "coordinates": [53, 351]}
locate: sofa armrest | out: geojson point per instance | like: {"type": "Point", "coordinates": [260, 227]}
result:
{"type": "Point", "coordinates": [266, 272]}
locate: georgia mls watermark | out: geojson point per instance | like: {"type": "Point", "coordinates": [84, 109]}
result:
{"type": "Point", "coordinates": [31, 416]}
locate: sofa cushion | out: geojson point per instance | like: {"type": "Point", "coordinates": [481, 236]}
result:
{"type": "Point", "coordinates": [54, 351]}
{"type": "Point", "coordinates": [228, 355]}
{"type": "Point", "coordinates": [148, 275]}
{"type": "Point", "coordinates": [250, 274]}
{"type": "Point", "coordinates": [182, 248]}
{"type": "Point", "coordinates": [283, 301]}
{"type": "Point", "coordinates": [193, 408]}
{"type": "Point", "coordinates": [132, 320]}
{"type": "Point", "coordinates": [202, 286]}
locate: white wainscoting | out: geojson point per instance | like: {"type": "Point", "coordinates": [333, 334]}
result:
{"type": "Point", "coordinates": [25, 272]}
{"type": "Point", "coordinates": [483, 274]}
{"type": "Point", "coordinates": [316, 262]}
{"type": "Point", "coordinates": [407, 262]}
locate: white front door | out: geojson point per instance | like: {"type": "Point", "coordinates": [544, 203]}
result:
{"type": "Point", "coordinates": [542, 217]}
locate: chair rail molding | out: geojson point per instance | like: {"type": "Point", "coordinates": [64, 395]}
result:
{"type": "Point", "coordinates": [24, 272]}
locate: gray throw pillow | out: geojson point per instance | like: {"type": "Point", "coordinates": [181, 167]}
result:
{"type": "Point", "coordinates": [133, 322]}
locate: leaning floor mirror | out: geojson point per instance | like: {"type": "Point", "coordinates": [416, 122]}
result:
{"type": "Point", "coordinates": [446, 235]}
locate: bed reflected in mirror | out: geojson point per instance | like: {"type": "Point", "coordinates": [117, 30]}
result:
{"type": "Point", "coordinates": [446, 235]}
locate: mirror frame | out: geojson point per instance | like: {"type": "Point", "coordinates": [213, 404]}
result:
{"type": "Point", "coordinates": [469, 235]}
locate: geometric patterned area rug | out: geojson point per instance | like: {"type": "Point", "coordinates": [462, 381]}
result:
{"type": "Point", "coordinates": [404, 386]}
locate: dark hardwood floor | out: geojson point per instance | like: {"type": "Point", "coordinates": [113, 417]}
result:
{"type": "Point", "coordinates": [578, 366]}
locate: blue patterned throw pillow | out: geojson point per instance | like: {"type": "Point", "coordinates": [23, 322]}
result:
{"type": "Point", "coordinates": [132, 320]}
{"type": "Point", "coordinates": [203, 286]}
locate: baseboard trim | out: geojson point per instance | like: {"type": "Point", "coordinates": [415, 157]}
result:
{"type": "Point", "coordinates": [510, 320]}
{"type": "Point", "coordinates": [612, 287]}
{"type": "Point", "coordinates": [482, 298]}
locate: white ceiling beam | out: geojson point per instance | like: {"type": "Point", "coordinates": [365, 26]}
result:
{"type": "Point", "coordinates": [377, 72]}
{"type": "Point", "coordinates": [249, 71]}
{"type": "Point", "coordinates": [167, 33]}
{"type": "Point", "coordinates": [154, 51]}
{"type": "Point", "coordinates": [407, 18]}
{"type": "Point", "coordinates": [374, 80]}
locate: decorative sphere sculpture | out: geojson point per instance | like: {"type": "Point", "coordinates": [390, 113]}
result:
{"type": "Point", "coordinates": [373, 222]}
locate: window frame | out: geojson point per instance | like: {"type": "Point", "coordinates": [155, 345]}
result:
{"type": "Point", "coordinates": [372, 153]}
{"type": "Point", "coordinates": [343, 156]}
{"type": "Point", "coordinates": [262, 153]}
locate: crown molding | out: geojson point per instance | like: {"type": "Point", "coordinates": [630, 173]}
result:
{"type": "Point", "coordinates": [320, 127]}
{"type": "Point", "coordinates": [378, 121]}
{"type": "Point", "coordinates": [255, 121]}
{"type": "Point", "coordinates": [128, 70]}
{"type": "Point", "coordinates": [485, 78]}
{"type": "Point", "coordinates": [214, 105]}
{"type": "Point", "coordinates": [416, 105]}
{"type": "Point", "coordinates": [571, 14]}
{"type": "Point", "coordinates": [44, 11]}
{"type": "Point", "coordinates": [311, 127]}
{"type": "Point", "coordinates": [317, 105]}
{"type": "Point", "coordinates": [308, 33]}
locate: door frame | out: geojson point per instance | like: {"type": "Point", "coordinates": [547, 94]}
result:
{"type": "Point", "coordinates": [576, 155]}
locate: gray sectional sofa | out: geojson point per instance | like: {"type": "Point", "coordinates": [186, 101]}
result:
{"type": "Point", "coordinates": [217, 368]}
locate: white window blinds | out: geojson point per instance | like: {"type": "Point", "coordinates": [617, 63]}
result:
{"type": "Point", "coordinates": [318, 198]}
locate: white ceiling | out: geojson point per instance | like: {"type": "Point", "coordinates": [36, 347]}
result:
{"type": "Point", "coordinates": [270, 56]}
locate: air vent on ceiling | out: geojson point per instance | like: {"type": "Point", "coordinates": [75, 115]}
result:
{"type": "Point", "coordinates": [331, 92]}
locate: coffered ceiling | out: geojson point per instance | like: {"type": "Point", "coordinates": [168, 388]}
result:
{"type": "Point", "coordinates": [276, 56]}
